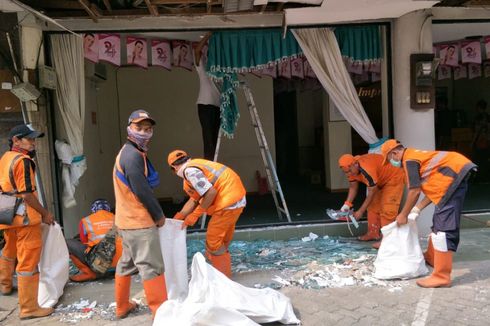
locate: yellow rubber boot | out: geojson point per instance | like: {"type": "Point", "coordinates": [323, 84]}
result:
{"type": "Point", "coordinates": [373, 228]}
{"type": "Point", "coordinates": [441, 275]}
{"type": "Point", "coordinates": [6, 271]}
{"type": "Point", "coordinates": [28, 290]}
{"type": "Point", "coordinates": [222, 263]}
{"type": "Point", "coordinates": [122, 287]}
{"type": "Point", "coordinates": [86, 274]}
{"type": "Point", "coordinates": [155, 292]}
{"type": "Point", "coordinates": [429, 253]}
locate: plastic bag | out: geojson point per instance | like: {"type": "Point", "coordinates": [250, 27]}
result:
{"type": "Point", "coordinates": [215, 300]}
{"type": "Point", "coordinates": [53, 266]}
{"type": "Point", "coordinates": [400, 255]}
{"type": "Point", "coordinates": [174, 251]}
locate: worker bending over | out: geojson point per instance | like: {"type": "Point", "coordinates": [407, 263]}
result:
{"type": "Point", "coordinates": [443, 178]}
{"type": "Point", "coordinates": [385, 185]}
{"type": "Point", "coordinates": [92, 229]}
{"type": "Point", "coordinates": [216, 190]}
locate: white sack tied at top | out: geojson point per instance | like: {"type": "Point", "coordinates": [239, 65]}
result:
{"type": "Point", "coordinates": [215, 300]}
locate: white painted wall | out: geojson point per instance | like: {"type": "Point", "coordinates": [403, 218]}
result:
{"type": "Point", "coordinates": [412, 33]}
{"type": "Point", "coordinates": [170, 97]}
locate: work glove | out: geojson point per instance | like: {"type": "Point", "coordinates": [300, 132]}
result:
{"type": "Point", "coordinates": [346, 207]}
{"type": "Point", "coordinates": [192, 218]}
{"type": "Point", "coordinates": [179, 216]}
{"type": "Point", "coordinates": [414, 213]}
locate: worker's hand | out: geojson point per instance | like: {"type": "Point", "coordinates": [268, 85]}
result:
{"type": "Point", "coordinates": [183, 226]}
{"type": "Point", "coordinates": [187, 222]}
{"type": "Point", "coordinates": [179, 216]}
{"type": "Point", "coordinates": [48, 218]}
{"type": "Point", "coordinates": [345, 208]}
{"type": "Point", "coordinates": [414, 213]}
{"type": "Point", "coordinates": [401, 219]}
{"type": "Point", "coordinates": [357, 215]}
{"type": "Point", "coordinates": [160, 222]}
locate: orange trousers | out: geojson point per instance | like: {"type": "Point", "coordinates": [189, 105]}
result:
{"type": "Point", "coordinates": [25, 244]}
{"type": "Point", "coordinates": [221, 228]}
{"type": "Point", "coordinates": [386, 202]}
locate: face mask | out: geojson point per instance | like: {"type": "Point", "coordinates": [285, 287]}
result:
{"type": "Point", "coordinates": [396, 164]}
{"type": "Point", "coordinates": [140, 138]}
{"type": "Point", "coordinates": [180, 171]}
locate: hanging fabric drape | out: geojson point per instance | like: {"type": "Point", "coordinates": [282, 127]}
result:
{"type": "Point", "coordinates": [359, 43]}
{"type": "Point", "coordinates": [232, 52]}
{"type": "Point", "coordinates": [320, 47]}
{"type": "Point", "coordinates": [67, 58]}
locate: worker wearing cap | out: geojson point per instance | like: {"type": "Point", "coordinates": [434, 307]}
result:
{"type": "Point", "coordinates": [443, 178]}
{"type": "Point", "coordinates": [385, 185]}
{"type": "Point", "coordinates": [92, 229]}
{"type": "Point", "coordinates": [216, 190]}
{"type": "Point", "coordinates": [23, 235]}
{"type": "Point", "coordinates": [138, 215]}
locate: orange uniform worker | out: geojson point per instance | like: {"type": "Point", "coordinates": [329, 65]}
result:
{"type": "Point", "coordinates": [138, 217]}
{"type": "Point", "coordinates": [216, 190]}
{"type": "Point", "coordinates": [92, 229]}
{"type": "Point", "coordinates": [443, 178]}
{"type": "Point", "coordinates": [23, 235]}
{"type": "Point", "coordinates": [385, 185]}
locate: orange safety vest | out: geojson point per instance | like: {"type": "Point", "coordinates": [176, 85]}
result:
{"type": "Point", "coordinates": [380, 173]}
{"type": "Point", "coordinates": [228, 184]}
{"type": "Point", "coordinates": [130, 211]}
{"type": "Point", "coordinates": [97, 225]}
{"type": "Point", "coordinates": [12, 170]}
{"type": "Point", "coordinates": [440, 172]}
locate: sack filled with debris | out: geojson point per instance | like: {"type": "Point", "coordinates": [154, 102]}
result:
{"type": "Point", "coordinates": [400, 255]}
{"type": "Point", "coordinates": [216, 300]}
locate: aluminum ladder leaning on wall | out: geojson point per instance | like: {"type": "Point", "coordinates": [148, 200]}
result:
{"type": "Point", "coordinates": [270, 169]}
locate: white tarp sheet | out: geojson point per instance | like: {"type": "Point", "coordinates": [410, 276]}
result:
{"type": "Point", "coordinates": [53, 266]}
{"type": "Point", "coordinates": [400, 255]}
{"type": "Point", "coordinates": [215, 300]}
{"type": "Point", "coordinates": [174, 250]}
{"type": "Point", "coordinates": [344, 11]}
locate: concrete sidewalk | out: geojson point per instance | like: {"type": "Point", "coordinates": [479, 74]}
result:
{"type": "Point", "coordinates": [467, 302]}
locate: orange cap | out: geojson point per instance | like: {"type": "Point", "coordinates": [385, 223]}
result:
{"type": "Point", "coordinates": [174, 156]}
{"type": "Point", "coordinates": [387, 147]}
{"type": "Point", "coordinates": [346, 160]}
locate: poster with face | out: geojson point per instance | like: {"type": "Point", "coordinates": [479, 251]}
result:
{"type": "Point", "coordinates": [182, 53]}
{"type": "Point", "coordinates": [161, 54]}
{"type": "Point", "coordinates": [375, 66]}
{"type": "Point", "coordinates": [459, 72]}
{"type": "Point", "coordinates": [443, 72]}
{"type": "Point", "coordinates": [471, 52]}
{"type": "Point", "coordinates": [486, 69]}
{"type": "Point", "coordinates": [474, 71]}
{"type": "Point", "coordinates": [270, 71]}
{"type": "Point", "coordinates": [308, 70]}
{"type": "Point", "coordinates": [91, 47]}
{"type": "Point", "coordinates": [137, 51]}
{"type": "Point", "coordinates": [297, 68]}
{"type": "Point", "coordinates": [449, 54]}
{"type": "Point", "coordinates": [285, 68]}
{"type": "Point", "coordinates": [486, 40]}
{"type": "Point", "coordinates": [109, 48]}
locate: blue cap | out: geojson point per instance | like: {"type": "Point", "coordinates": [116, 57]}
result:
{"type": "Point", "coordinates": [140, 115]}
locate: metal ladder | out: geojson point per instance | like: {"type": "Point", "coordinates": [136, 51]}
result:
{"type": "Point", "coordinates": [270, 169]}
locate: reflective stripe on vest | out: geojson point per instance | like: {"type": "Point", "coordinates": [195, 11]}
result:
{"type": "Point", "coordinates": [432, 163]}
{"type": "Point", "coordinates": [216, 173]}
{"type": "Point", "coordinates": [92, 236]}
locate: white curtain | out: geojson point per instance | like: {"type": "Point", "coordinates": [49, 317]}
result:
{"type": "Point", "coordinates": [67, 58]}
{"type": "Point", "coordinates": [322, 51]}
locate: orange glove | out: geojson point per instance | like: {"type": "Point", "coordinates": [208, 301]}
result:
{"type": "Point", "coordinates": [192, 218]}
{"type": "Point", "coordinates": [179, 216]}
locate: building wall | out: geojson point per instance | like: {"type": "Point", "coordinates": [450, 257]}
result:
{"type": "Point", "coordinates": [170, 98]}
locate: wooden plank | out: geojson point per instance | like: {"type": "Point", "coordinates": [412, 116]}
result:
{"type": "Point", "coordinates": [53, 4]}
{"type": "Point", "coordinates": [107, 5]}
{"type": "Point", "coordinates": [151, 8]}
{"type": "Point", "coordinates": [89, 8]}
